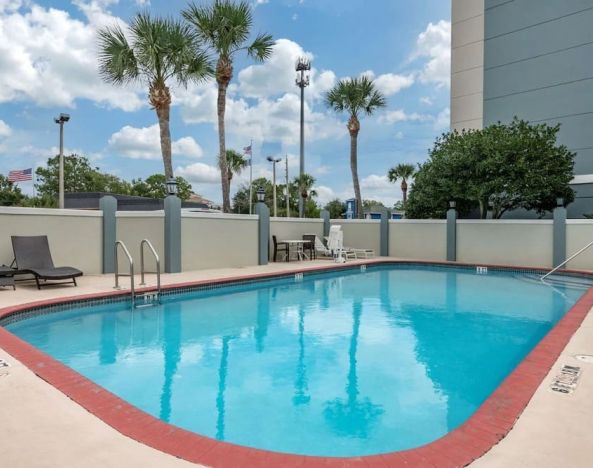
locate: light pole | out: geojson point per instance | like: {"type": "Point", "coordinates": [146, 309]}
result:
{"type": "Point", "coordinates": [274, 161]}
{"type": "Point", "coordinates": [303, 65]}
{"type": "Point", "coordinates": [287, 191]}
{"type": "Point", "coordinates": [61, 120]}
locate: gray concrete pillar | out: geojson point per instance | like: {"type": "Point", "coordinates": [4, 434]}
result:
{"type": "Point", "coordinates": [108, 205]}
{"type": "Point", "coordinates": [325, 216]}
{"type": "Point", "coordinates": [384, 233]}
{"type": "Point", "coordinates": [263, 248]}
{"type": "Point", "coordinates": [172, 234]}
{"type": "Point", "coordinates": [559, 243]}
{"type": "Point", "coordinates": [452, 233]}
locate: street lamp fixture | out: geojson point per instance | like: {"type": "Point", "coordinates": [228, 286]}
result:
{"type": "Point", "coordinates": [274, 161]}
{"type": "Point", "coordinates": [61, 120]}
{"type": "Point", "coordinates": [171, 186]}
{"type": "Point", "coordinates": [261, 194]}
{"type": "Point", "coordinates": [302, 66]}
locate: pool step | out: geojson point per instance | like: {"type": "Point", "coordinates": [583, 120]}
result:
{"type": "Point", "coordinates": [568, 282]}
{"type": "Point", "coordinates": [147, 299]}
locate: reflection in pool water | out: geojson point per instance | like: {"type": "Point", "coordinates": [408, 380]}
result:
{"type": "Point", "coordinates": [339, 364]}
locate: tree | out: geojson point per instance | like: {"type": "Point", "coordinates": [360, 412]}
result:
{"type": "Point", "coordinates": [160, 50]}
{"type": "Point", "coordinates": [500, 168]}
{"type": "Point", "coordinates": [355, 96]}
{"type": "Point", "coordinates": [241, 198]}
{"type": "Point", "coordinates": [368, 205]}
{"type": "Point", "coordinates": [155, 186]}
{"type": "Point", "coordinates": [79, 176]}
{"type": "Point", "coordinates": [336, 208]}
{"type": "Point", "coordinates": [10, 194]}
{"type": "Point", "coordinates": [403, 172]}
{"type": "Point", "coordinates": [235, 164]}
{"type": "Point", "coordinates": [225, 26]}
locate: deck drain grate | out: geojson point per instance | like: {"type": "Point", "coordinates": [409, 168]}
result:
{"type": "Point", "coordinates": [567, 380]}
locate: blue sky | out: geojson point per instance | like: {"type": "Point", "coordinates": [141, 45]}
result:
{"type": "Point", "coordinates": [48, 65]}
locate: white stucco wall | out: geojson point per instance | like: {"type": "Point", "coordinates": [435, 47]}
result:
{"type": "Point", "coordinates": [418, 239]}
{"type": "Point", "coordinates": [75, 236]}
{"type": "Point", "coordinates": [505, 242]}
{"type": "Point", "coordinates": [132, 227]}
{"type": "Point", "coordinates": [218, 241]}
{"type": "Point", "coordinates": [579, 233]}
{"type": "Point", "coordinates": [361, 233]}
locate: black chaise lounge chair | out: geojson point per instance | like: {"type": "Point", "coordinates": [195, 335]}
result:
{"type": "Point", "coordinates": [32, 255]}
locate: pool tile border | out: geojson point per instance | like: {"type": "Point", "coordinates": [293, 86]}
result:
{"type": "Point", "coordinates": [485, 428]}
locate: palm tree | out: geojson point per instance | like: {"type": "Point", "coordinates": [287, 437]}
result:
{"type": "Point", "coordinates": [159, 50]}
{"type": "Point", "coordinates": [403, 172]}
{"type": "Point", "coordinates": [224, 26]}
{"type": "Point", "coordinates": [355, 96]}
{"type": "Point", "coordinates": [235, 164]}
{"type": "Point", "coordinates": [305, 183]}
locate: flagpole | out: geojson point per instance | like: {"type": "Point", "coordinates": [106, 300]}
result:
{"type": "Point", "coordinates": [251, 177]}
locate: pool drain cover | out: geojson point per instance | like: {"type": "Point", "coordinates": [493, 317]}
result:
{"type": "Point", "coordinates": [566, 381]}
{"type": "Point", "coordinates": [588, 358]}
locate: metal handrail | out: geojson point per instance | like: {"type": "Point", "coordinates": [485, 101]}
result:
{"type": "Point", "coordinates": [131, 274]}
{"type": "Point", "coordinates": [566, 261]}
{"type": "Point", "coordinates": [158, 265]}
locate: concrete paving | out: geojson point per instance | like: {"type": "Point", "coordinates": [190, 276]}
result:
{"type": "Point", "coordinates": [41, 427]}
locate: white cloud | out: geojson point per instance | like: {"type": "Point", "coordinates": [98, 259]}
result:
{"type": "Point", "coordinates": [390, 83]}
{"type": "Point", "coordinates": [5, 130]}
{"type": "Point", "coordinates": [399, 115]}
{"type": "Point", "coordinates": [271, 120]}
{"type": "Point", "coordinates": [277, 75]}
{"type": "Point", "coordinates": [200, 173]}
{"type": "Point", "coordinates": [49, 58]}
{"type": "Point", "coordinates": [434, 44]}
{"type": "Point", "coordinates": [378, 187]}
{"type": "Point", "coordinates": [426, 101]}
{"type": "Point", "coordinates": [144, 143]}
{"type": "Point", "coordinates": [443, 119]}
{"type": "Point", "coordinates": [399, 135]}
{"type": "Point", "coordinates": [324, 194]}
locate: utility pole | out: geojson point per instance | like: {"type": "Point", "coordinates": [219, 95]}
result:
{"type": "Point", "coordinates": [61, 120]}
{"type": "Point", "coordinates": [303, 65]}
{"type": "Point", "coordinates": [274, 161]}
{"type": "Point", "coordinates": [287, 191]}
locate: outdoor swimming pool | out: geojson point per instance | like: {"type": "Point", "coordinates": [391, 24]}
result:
{"type": "Point", "coordinates": [339, 364]}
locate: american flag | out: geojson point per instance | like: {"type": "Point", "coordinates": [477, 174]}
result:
{"type": "Point", "coordinates": [247, 150]}
{"type": "Point", "coordinates": [21, 175]}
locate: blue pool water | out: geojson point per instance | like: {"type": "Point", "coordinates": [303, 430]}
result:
{"type": "Point", "coordinates": [340, 364]}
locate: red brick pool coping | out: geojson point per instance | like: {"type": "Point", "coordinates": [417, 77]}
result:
{"type": "Point", "coordinates": [486, 427]}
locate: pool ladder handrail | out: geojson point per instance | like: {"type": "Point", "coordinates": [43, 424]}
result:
{"type": "Point", "coordinates": [555, 269]}
{"type": "Point", "coordinates": [121, 244]}
{"type": "Point", "coordinates": [143, 243]}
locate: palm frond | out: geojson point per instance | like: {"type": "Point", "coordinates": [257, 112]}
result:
{"type": "Point", "coordinates": [262, 47]}
{"type": "Point", "coordinates": [224, 26]}
{"type": "Point", "coordinates": [117, 63]}
{"type": "Point", "coordinates": [355, 95]}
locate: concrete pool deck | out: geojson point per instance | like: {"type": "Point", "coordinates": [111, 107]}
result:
{"type": "Point", "coordinates": [40, 424]}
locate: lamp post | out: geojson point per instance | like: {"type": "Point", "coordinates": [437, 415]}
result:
{"type": "Point", "coordinates": [171, 186]}
{"type": "Point", "coordinates": [61, 120]}
{"type": "Point", "coordinates": [287, 191]}
{"type": "Point", "coordinates": [303, 65]}
{"type": "Point", "coordinates": [274, 161]}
